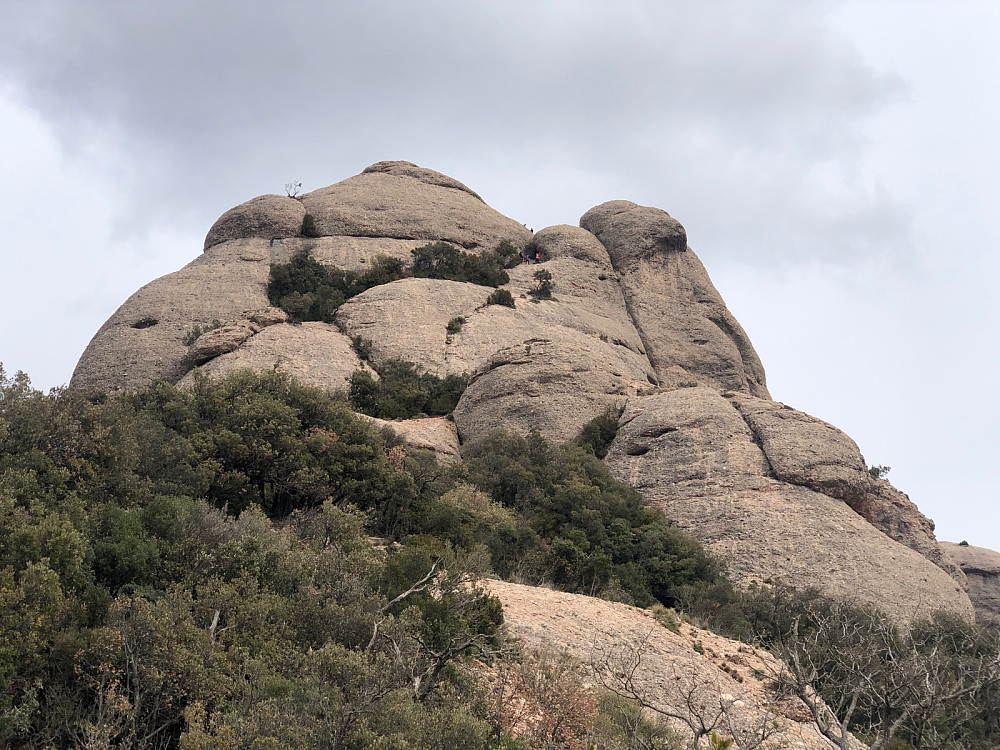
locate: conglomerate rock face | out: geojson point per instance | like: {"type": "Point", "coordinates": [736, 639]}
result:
{"type": "Point", "coordinates": [633, 324]}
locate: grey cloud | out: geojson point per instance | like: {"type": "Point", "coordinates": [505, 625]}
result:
{"type": "Point", "coordinates": [222, 100]}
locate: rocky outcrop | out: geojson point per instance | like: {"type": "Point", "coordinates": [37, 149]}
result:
{"type": "Point", "coordinates": [807, 451]}
{"type": "Point", "coordinates": [695, 454]}
{"type": "Point", "coordinates": [551, 386]}
{"type": "Point", "coordinates": [266, 217]}
{"type": "Point", "coordinates": [688, 673]}
{"type": "Point", "coordinates": [146, 339]}
{"type": "Point", "coordinates": [981, 567]}
{"type": "Point", "coordinates": [631, 318]}
{"type": "Point", "coordinates": [403, 201]}
{"type": "Point", "coordinates": [316, 354]}
{"type": "Point", "coordinates": [688, 332]}
{"type": "Point", "coordinates": [436, 434]}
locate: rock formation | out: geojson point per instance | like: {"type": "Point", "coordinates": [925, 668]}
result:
{"type": "Point", "coordinates": [981, 567]}
{"type": "Point", "coordinates": [634, 324]}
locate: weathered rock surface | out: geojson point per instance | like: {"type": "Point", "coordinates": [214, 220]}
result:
{"type": "Point", "coordinates": [692, 452]}
{"type": "Point", "coordinates": [807, 451]}
{"type": "Point", "coordinates": [349, 253]}
{"type": "Point", "coordinates": [145, 339]}
{"type": "Point", "coordinates": [554, 386]}
{"type": "Point", "coordinates": [403, 201]}
{"type": "Point", "coordinates": [783, 494]}
{"type": "Point", "coordinates": [437, 434]}
{"type": "Point", "coordinates": [672, 674]}
{"type": "Point", "coordinates": [407, 319]}
{"type": "Point", "coordinates": [688, 332]}
{"type": "Point", "coordinates": [265, 217]}
{"type": "Point", "coordinates": [981, 567]}
{"type": "Point", "coordinates": [317, 354]}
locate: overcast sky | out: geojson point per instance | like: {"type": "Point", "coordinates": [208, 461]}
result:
{"type": "Point", "coordinates": [834, 164]}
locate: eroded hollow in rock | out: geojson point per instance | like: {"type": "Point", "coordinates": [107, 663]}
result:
{"type": "Point", "coordinates": [145, 323]}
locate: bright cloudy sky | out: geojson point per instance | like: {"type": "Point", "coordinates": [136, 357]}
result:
{"type": "Point", "coordinates": [834, 164]}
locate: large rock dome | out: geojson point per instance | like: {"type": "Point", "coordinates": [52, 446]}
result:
{"type": "Point", "coordinates": [634, 324]}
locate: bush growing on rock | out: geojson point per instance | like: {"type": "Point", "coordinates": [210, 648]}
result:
{"type": "Point", "coordinates": [501, 297]}
{"type": "Point", "coordinates": [402, 392]}
{"type": "Point", "coordinates": [307, 290]}
{"type": "Point", "coordinates": [442, 260]}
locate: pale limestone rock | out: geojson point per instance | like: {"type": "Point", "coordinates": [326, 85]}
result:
{"type": "Point", "coordinates": [437, 434]}
{"type": "Point", "coordinates": [403, 201]}
{"type": "Point", "coordinates": [317, 354]}
{"type": "Point", "coordinates": [981, 567]}
{"type": "Point", "coordinates": [349, 253]}
{"type": "Point", "coordinates": [689, 334]}
{"type": "Point", "coordinates": [554, 386]}
{"type": "Point", "coordinates": [265, 217]}
{"type": "Point", "coordinates": [220, 340]}
{"type": "Point", "coordinates": [691, 452]}
{"type": "Point", "coordinates": [791, 534]}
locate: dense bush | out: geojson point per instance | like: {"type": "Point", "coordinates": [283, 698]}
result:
{"type": "Point", "coordinates": [402, 392]}
{"type": "Point", "coordinates": [442, 260]}
{"type": "Point", "coordinates": [194, 570]}
{"type": "Point", "coordinates": [501, 297]}
{"type": "Point", "coordinates": [307, 290]}
{"type": "Point", "coordinates": [581, 529]}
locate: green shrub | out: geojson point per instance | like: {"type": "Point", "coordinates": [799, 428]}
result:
{"type": "Point", "coordinates": [442, 260]}
{"type": "Point", "coordinates": [402, 392]}
{"type": "Point", "coordinates": [307, 290]}
{"type": "Point", "coordinates": [543, 285]}
{"type": "Point", "coordinates": [455, 324]}
{"type": "Point", "coordinates": [309, 226]}
{"type": "Point", "coordinates": [600, 432]}
{"type": "Point", "coordinates": [501, 297]}
{"type": "Point", "coordinates": [589, 529]}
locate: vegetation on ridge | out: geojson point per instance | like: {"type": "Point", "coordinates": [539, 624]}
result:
{"type": "Point", "coordinates": [308, 290]}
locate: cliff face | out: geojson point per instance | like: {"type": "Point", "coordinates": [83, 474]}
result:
{"type": "Point", "coordinates": [634, 324]}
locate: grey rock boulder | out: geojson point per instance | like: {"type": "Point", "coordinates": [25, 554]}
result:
{"type": "Point", "coordinates": [436, 434]}
{"type": "Point", "coordinates": [553, 386]}
{"type": "Point", "coordinates": [317, 354]}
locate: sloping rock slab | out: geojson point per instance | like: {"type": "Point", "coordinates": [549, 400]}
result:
{"type": "Point", "coordinates": [437, 434]}
{"type": "Point", "coordinates": [688, 332]}
{"type": "Point", "coordinates": [785, 533]}
{"type": "Point", "coordinates": [349, 253]}
{"type": "Point", "coordinates": [144, 340]}
{"type": "Point", "coordinates": [672, 674]}
{"type": "Point", "coordinates": [807, 451]}
{"type": "Point", "coordinates": [407, 319]}
{"type": "Point", "coordinates": [981, 567]}
{"type": "Point", "coordinates": [317, 354]}
{"type": "Point", "coordinates": [554, 386]}
{"type": "Point", "coordinates": [690, 452]}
